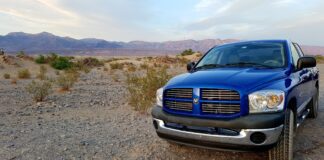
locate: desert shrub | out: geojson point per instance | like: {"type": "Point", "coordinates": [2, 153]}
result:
{"type": "Point", "coordinates": [143, 88]}
{"type": "Point", "coordinates": [21, 54]}
{"type": "Point", "coordinates": [40, 59]}
{"type": "Point", "coordinates": [67, 80]}
{"type": "Point", "coordinates": [116, 65]}
{"type": "Point", "coordinates": [114, 59]}
{"type": "Point", "coordinates": [51, 57]}
{"type": "Point", "coordinates": [87, 64]}
{"type": "Point", "coordinates": [39, 90]}
{"type": "Point", "coordinates": [61, 63]}
{"type": "Point", "coordinates": [74, 73]}
{"type": "Point", "coordinates": [157, 65]}
{"type": "Point", "coordinates": [182, 60]}
{"type": "Point", "coordinates": [187, 52]}
{"type": "Point", "coordinates": [319, 58]}
{"type": "Point", "coordinates": [131, 68]}
{"type": "Point", "coordinates": [24, 74]}
{"type": "Point", "coordinates": [42, 72]}
{"type": "Point", "coordinates": [92, 62]}
{"type": "Point", "coordinates": [6, 76]}
{"type": "Point", "coordinates": [144, 66]}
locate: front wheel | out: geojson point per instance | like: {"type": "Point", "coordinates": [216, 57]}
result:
{"type": "Point", "coordinates": [284, 148]}
{"type": "Point", "coordinates": [313, 106]}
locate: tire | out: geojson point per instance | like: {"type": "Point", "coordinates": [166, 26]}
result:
{"type": "Point", "coordinates": [284, 148]}
{"type": "Point", "coordinates": [313, 106]}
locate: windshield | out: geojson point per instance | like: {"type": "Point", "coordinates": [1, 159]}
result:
{"type": "Point", "coordinates": [249, 54]}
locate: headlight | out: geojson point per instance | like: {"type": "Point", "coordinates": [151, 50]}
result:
{"type": "Point", "coordinates": [159, 97]}
{"type": "Point", "coordinates": [266, 101]}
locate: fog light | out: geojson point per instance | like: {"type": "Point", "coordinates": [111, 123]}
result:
{"type": "Point", "coordinates": [258, 137]}
{"type": "Point", "coordinates": [155, 124]}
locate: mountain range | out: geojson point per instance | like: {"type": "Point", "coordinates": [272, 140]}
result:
{"type": "Point", "coordinates": [46, 42]}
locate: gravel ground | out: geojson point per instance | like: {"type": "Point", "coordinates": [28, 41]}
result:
{"type": "Point", "coordinates": [93, 121]}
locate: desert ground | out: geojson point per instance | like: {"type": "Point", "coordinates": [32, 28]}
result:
{"type": "Point", "coordinates": [94, 121]}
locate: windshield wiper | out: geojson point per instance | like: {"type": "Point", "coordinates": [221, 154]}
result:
{"type": "Point", "coordinates": [208, 66]}
{"type": "Point", "coordinates": [249, 64]}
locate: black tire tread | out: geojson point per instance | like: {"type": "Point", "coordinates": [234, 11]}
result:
{"type": "Point", "coordinates": [311, 106]}
{"type": "Point", "coordinates": [281, 150]}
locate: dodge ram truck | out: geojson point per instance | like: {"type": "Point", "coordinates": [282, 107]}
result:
{"type": "Point", "coordinates": [248, 96]}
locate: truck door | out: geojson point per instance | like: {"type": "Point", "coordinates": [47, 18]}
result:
{"type": "Point", "coordinates": [305, 79]}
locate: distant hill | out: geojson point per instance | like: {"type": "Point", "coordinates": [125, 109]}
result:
{"type": "Point", "coordinates": [46, 42]}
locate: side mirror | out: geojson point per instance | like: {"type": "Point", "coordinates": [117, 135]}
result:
{"type": "Point", "coordinates": [190, 65]}
{"type": "Point", "coordinates": [306, 62]}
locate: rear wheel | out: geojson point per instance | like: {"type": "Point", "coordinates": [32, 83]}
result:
{"type": "Point", "coordinates": [313, 106]}
{"type": "Point", "coordinates": [284, 148]}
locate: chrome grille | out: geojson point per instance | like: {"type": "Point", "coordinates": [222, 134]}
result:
{"type": "Point", "coordinates": [179, 93]}
{"type": "Point", "coordinates": [220, 108]}
{"type": "Point", "coordinates": [219, 94]}
{"type": "Point", "coordinates": [178, 105]}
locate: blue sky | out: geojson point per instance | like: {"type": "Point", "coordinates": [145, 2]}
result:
{"type": "Point", "coordinates": [162, 20]}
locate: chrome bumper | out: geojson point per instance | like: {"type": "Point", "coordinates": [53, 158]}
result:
{"type": "Point", "coordinates": [272, 135]}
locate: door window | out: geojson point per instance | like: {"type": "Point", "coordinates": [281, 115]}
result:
{"type": "Point", "coordinates": [295, 54]}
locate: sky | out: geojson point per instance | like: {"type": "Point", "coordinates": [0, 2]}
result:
{"type": "Point", "coordinates": [162, 20]}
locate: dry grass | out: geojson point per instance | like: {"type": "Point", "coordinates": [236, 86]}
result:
{"type": "Point", "coordinates": [143, 88]}
{"type": "Point", "coordinates": [116, 65]}
{"type": "Point", "coordinates": [24, 74]}
{"type": "Point", "coordinates": [144, 66]}
{"type": "Point", "coordinates": [42, 72]}
{"type": "Point", "coordinates": [66, 81]}
{"type": "Point", "coordinates": [39, 90]}
{"type": "Point", "coordinates": [6, 76]}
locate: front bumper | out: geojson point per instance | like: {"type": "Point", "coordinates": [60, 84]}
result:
{"type": "Point", "coordinates": [241, 141]}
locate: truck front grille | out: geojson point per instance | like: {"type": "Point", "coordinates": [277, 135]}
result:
{"type": "Point", "coordinates": [220, 108]}
{"type": "Point", "coordinates": [219, 94]}
{"type": "Point", "coordinates": [207, 102]}
{"type": "Point", "coordinates": [179, 93]}
{"type": "Point", "coordinates": [178, 105]}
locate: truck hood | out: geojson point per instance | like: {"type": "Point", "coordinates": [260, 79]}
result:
{"type": "Point", "coordinates": [234, 78]}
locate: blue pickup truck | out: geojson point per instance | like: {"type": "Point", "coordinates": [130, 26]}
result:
{"type": "Point", "coordinates": [249, 95]}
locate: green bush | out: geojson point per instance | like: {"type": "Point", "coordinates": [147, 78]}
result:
{"type": "Point", "coordinates": [40, 59]}
{"type": "Point", "coordinates": [52, 57]}
{"type": "Point", "coordinates": [143, 88]}
{"type": "Point", "coordinates": [187, 52]}
{"type": "Point", "coordinates": [61, 63]}
{"type": "Point", "coordinates": [24, 74]}
{"type": "Point", "coordinates": [6, 76]}
{"type": "Point", "coordinates": [39, 90]}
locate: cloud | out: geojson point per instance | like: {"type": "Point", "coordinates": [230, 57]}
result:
{"type": "Point", "coordinates": [126, 20]}
{"type": "Point", "coordinates": [55, 7]}
{"type": "Point", "coordinates": [253, 19]}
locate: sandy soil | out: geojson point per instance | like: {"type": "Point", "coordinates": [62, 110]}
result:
{"type": "Point", "coordinates": [94, 121]}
